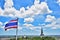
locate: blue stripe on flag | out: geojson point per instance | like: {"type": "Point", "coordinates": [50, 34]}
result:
{"type": "Point", "coordinates": [11, 24]}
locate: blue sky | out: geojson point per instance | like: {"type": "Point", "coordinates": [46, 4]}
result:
{"type": "Point", "coordinates": [32, 14]}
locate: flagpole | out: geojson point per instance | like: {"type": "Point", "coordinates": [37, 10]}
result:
{"type": "Point", "coordinates": [17, 30]}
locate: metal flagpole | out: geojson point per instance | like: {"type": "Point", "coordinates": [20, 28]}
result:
{"type": "Point", "coordinates": [17, 30]}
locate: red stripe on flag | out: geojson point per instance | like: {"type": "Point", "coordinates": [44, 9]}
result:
{"type": "Point", "coordinates": [10, 27]}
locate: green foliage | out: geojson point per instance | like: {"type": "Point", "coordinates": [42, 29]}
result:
{"type": "Point", "coordinates": [48, 38]}
{"type": "Point", "coordinates": [36, 38]}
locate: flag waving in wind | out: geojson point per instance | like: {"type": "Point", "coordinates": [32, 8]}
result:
{"type": "Point", "coordinates": [11, 24]}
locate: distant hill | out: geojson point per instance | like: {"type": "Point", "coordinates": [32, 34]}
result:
{"type": "Point", "coordinates": [10, 36]}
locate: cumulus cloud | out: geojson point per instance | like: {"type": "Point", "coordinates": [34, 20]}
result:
{"type": "Point", "coordinates": [36, 1]}
{"type": "Point", "coordinates": [54, 22]}
{"type": "Point", "coordinates": [10, 11]}
{"type": "Point", "coordinates": [28, 19]}
{"type": "Point", "coordinates": [51, 25]}
{"type": "Point", "coordinates": [32, 27]}
{"type": "Point", "coordinates": [58, 1]}
{"type": "Point", "coordinates": [29, 26]}
{"type": "Point", "coordinates": [36, 9]}
{"type": "Point", "coordinates": [40, 8]}
{"type": "Point", "coordinates": [1, 11]}
{"type": "Point", "coordinates": [50, 18]}
{"type": "Point", "coordinates": [8, 3]}
{"type": "Point", "coordinates": [22, 10]}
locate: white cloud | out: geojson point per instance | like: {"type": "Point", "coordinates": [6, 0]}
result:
{"type": "Point", "coordinates": [31, 27]}
{"type": "Point", "coordinates": [35, 28]}
{"type": "Point", "coordinates": [37, 9]}
{"type": "Point", "coordinates": [1, 23]}
{"type": "Point", "coordinates": [50, 18]}
{"type": "Point", "coordinates": [27, 7]}
{"type": "Point", "coordinates": [28, 19]}
{"type": "Point", "coordinates": [51, 25]}
{"type": "Point", "coordinates": [8, 3]}
{"type": "Point", "coordinates": [58, 1]}
{"type": "Point", "coordinates": [45, 8]}
{"type": "Point", "coordinates": [28, 25]}
{"type": "Point", "coordinates": [1, 11]}
{"type": "Point", "coordinates": [40, 8]}
{"type": "Point", "coordinates": [20, 13]}
{"type": "Point", "coordinates": [55, 24]}
{"type": "Point", "coordinates": [10, 11]}
{"type": "Point", "coordinates": [22, 10]}
{"type": "Point", "coordinates": [36, 1]}
{"type": "Point", "coordinates": [53, 21]}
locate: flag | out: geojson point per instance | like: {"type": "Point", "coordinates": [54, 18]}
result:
{"type": "Point", "coordinates": [11, 24]}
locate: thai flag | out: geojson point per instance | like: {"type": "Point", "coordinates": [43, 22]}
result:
{"type": "Point", "coordinates": [11, 24]}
